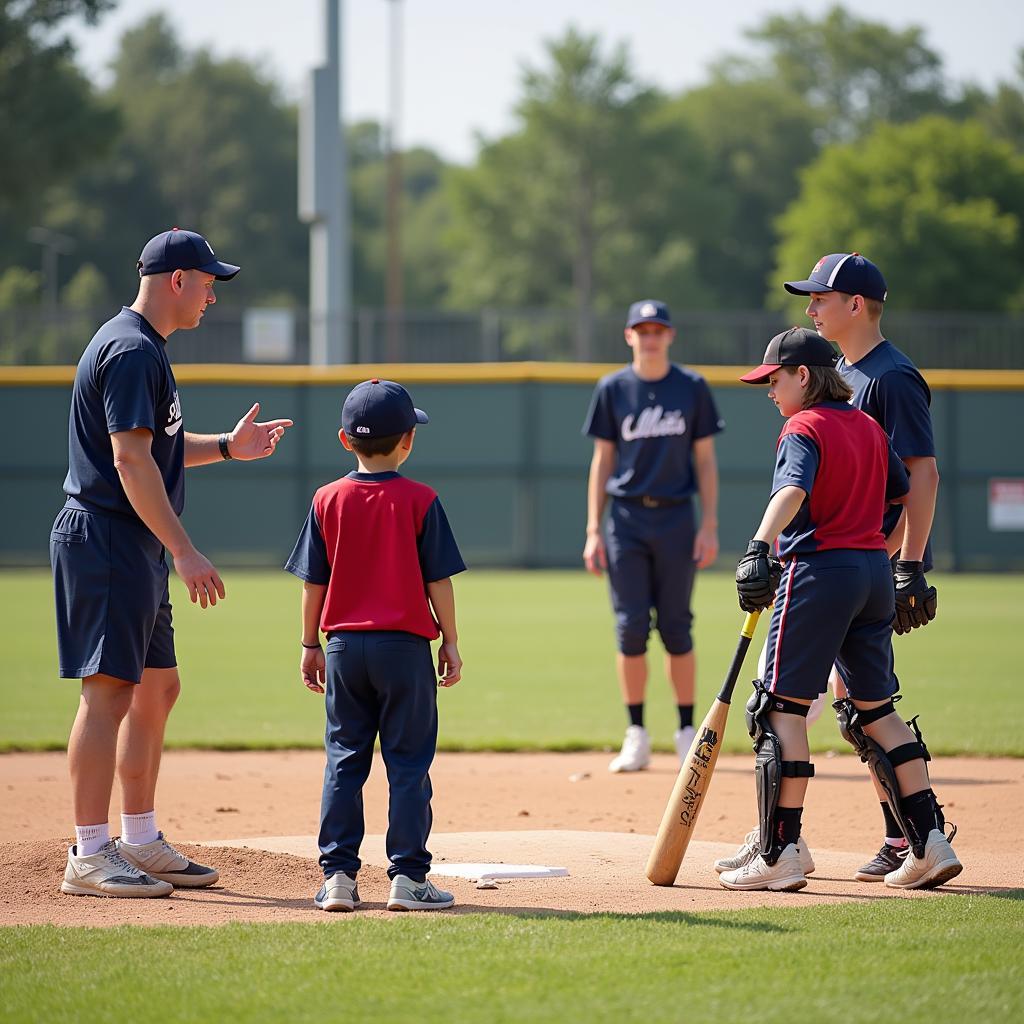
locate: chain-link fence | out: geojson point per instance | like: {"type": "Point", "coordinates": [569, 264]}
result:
{"type": "Point", "coordinates": [232, 335]}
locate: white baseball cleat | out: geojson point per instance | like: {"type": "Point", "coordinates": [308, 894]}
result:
{"type": "Point", "coordinates": [339, 892]}
{"type": "Point", "coordinates": [684, 740]}
{"type": "Point", "coordinates": [163, 861]}
{"type": "Point", "coordinates": [636, 751]}
{"type": "Point", "coordinates": [785, 875]}
{"type": "Point", "coordinates": [938, 865]}
{"type": "Point", "coordinates": [752, 847]}
{"type": "Point", "coordinates": [107, 873]}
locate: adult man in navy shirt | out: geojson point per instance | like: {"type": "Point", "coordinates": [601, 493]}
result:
{"type": "Point", "coordinates": [653, 425]}
{"type": "Point", "coordinates": [127, 453]}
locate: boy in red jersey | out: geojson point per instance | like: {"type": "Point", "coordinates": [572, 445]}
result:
{"type": "Point", "coordinates": [376, 554]}
{"type": "Point", "coordinates": [835, 472]}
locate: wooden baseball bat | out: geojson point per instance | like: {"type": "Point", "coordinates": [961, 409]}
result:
{"type": "Point", "coordinates": [694, 777]}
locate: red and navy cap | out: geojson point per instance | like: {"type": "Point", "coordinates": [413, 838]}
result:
{"type": "Point", "coordinates": [648, 311]}
{"type": "Point", "coordinates": [178, 249]}
{"type": "Point", "coordinates": [847, 272]}
{"type": "Point", "coordinates": [379, 408]}
{"type": "Point", "coordinates": [796, 347]}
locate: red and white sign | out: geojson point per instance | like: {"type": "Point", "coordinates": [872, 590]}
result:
{"type": "Point", "coordinates": [1006, 504]}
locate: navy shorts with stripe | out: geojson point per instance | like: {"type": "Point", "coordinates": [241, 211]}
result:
{"type": "Point", "coordinates": [833, 607]}
{"type": "Point", "coordinates": [651, 567]}
{"type": "Point", "coordinates": [113, 603]}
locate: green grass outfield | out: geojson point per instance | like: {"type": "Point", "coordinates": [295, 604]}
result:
{"type": "Point", "coordinates": [939, 959]}
{"type": "Point", "coordinates": [539, 668]}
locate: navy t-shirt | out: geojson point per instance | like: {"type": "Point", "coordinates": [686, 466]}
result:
{"type": "Point", "coordinates": [849, 470]}
{"type": "Point", "coordinates": [653, 425]}
{"type": "Point", "coordinates": [890, 389]}
{"type": "Point", "coordinates": [124, 381]}
{"type": "Point", "coordinates": [374, 540]}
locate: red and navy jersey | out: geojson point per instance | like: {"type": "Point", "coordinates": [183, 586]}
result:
{"type": "Point", "coordinates": [375, 540]}
{"type": "Point", "coordinates": [845, 463]}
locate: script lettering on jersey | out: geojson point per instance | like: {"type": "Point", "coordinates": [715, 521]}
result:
{"type": "Point", "coordinates": [173, 417]}
{"type": "Point", "coordinates": [653, 422]}
{"type": "Point", "coordinates": [696, 782]}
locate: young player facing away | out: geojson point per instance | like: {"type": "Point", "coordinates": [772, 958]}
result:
{"type": "Point", "coordinates": [376, 554]}
{"type": "Point", "coordinates": [653, 425]}
{"type": "Point", "coordinates": [835, 472]}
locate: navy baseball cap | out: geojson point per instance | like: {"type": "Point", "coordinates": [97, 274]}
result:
{"type": "Point", "coordinates": [178, 249]}
{"type": "Point", "coordinates": [379, 408]}
{"type": "Point", "coordinates": [648, 311]}
{"type": "Point", "coordinates": [796, 347]}
{"type": "Point", "coordinates": [847, 272]}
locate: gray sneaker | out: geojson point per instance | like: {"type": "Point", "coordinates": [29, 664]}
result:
{"type": "Point", "coordinates": [163, 861]}
{"type": "Point", "coordinates": [107, 873]}
{"type": "Point", "coordinates": [409, 895]}
{"type": "Point", "coordinates": [339, 892]}
{"type": "Point", "coordinates": [752, 847]}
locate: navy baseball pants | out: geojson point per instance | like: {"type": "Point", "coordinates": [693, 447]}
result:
{"type": "Point", "coordinates": [378, 682]}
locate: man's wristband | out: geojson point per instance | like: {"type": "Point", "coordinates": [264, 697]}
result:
{"type": "Point", "coordinates": [311, 647]}
{"type": "Point", "coordinates": [222, 443]}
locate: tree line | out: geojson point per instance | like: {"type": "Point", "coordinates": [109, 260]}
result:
{"type": "Point", "coordinates": [838, 133]}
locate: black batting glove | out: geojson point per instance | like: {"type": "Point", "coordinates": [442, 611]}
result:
{"type": "Point", "coordinates": [915, 600]}
{"type": "Point", "coordinates": [758, 574]}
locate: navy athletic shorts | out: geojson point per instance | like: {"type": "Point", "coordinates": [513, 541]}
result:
{"type": "Point", "coordinates": [113, 605]}
{"type": "Point", "coordinates": [833, 607]}
{"type": "Point", "coordinates": [651, 567]}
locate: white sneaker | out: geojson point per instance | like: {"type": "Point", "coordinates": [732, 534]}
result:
{"type": "Point", "coordinates": [938, 865]}
{"type": "Point", "coordinates": [107, 873]}
{"type": "Point", "coordinates": [339, 892]}
{"type": "Point", "coordinates": [163, 861]}
{"type": "Point", "coordinates": [409, 895]}
{"type": "Point", "coordinates": [635, 753]}
{"type": "Point", "coordinates": [785, 875]}
{"type": "Point", "coordinates": [684, 740]}
{"type": "Point", "coordinates": [751, 848]}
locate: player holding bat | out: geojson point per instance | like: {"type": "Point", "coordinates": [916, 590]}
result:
{"type": "Point", "coordinates": [835, 471]}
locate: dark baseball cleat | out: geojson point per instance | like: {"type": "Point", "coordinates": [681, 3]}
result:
{"type": "Point", "coordinates": [889, 858]}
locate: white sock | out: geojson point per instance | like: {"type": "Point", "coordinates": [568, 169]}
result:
{"type": "Point", "coordinates": [139, 829]}
{"type": "Point", "coordinates": [90, 839]}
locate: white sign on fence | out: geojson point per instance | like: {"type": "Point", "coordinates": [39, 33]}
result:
{"type": "Point", "coordinates": [1006, 504]}
{"type": "Point", "coordinates": [268, 335]}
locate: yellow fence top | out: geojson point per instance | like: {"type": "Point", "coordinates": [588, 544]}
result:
{"type": "Point", "coordinates": [465, 373]}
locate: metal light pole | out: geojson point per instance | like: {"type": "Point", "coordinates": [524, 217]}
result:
{"type": "Point", "coordinates": [54, 244]}
{"type": "Point", "coordinates": [324, 203]}
{"type": "Point", "coordinates": [394, 296]}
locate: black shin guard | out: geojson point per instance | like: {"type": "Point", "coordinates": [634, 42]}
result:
{"type": "Point", "coordinates": [769, 768]}
{"type": "Point", "coordinates": [883, 764]}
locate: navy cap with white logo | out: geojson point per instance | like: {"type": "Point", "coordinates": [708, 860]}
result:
{"type": "Point", "coordinates": [379, 408]}
{"type": "Point", "coordinates": [796, 347]}
{"type": "Point", "coordinates": [648, 311]}
{"type": "Point", "coordinates": [178, 249]}
{"type": "Point", "coordinates": [847, 272]}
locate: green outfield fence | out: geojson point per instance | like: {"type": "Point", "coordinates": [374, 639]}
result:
{"type": "Point", "coordinates": [503, 448]}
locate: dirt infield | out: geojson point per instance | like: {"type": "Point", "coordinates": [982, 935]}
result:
{"type": "Point", "coordinates": [564, 808]}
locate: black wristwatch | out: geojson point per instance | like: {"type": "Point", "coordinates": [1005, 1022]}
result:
{"type": "Point", "coordinates": [222, 443]}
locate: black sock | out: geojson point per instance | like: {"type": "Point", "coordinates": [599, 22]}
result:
{"type": "Point", "coordinates": [685, 715]}
{"type": "Point", "coordinates": [787, 828]}
{"type": "Point", "coordinates": [893, 829]}
{"type": "Point", "coordinates": [636, 714]}
{"type": "Point", "coordinates": [923, 813]}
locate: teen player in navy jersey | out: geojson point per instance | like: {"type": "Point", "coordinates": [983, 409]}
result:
{"type": "Point", "coordinates": [376, 554]}
{"type": "Point", "coordinates": [653, 425]}
{"type": "Point", "coordinates": [835, 605]}
{"type": "Point", "coordinates": [128, 451]}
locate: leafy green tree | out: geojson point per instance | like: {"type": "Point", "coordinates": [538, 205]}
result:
{"type": "Point", "coordinates": [756, 135]}
{"type": "Point", "coordinates": [586, 205]}
{"type": "Point", "coordinates": [51, 123]}
{"type": "Point", "coordinates": [854, 71]}
{"type": "Point", "coordinates": [939, 205]}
